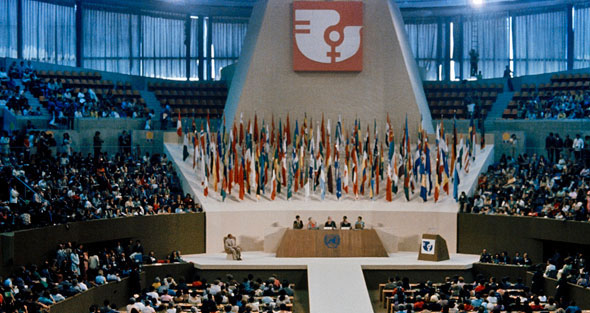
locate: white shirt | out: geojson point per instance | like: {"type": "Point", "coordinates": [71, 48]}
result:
{"type": "Point", "coordinates": [13, 195]}
{"type": "Point", "coordinates": [578, 144]}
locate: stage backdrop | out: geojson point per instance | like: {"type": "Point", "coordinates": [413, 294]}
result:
{"type": "Point", "coordinates": [266, 83]}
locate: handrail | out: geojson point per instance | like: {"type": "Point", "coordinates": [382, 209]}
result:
{"type": "Point", "coordinates": [29, 187]}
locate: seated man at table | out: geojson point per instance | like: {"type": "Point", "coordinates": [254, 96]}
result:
{"type": "Point", "coordinates": [345, 223]}
{"type": "Point", "coordinates": [330, 223]}
{"type": "Point", "coordinates": [297, 223]}
{"type": "Point", "coordinates": [360, 224]}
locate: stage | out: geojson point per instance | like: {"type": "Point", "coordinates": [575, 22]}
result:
{"type": "Point", "coordinates": [259, 223]}
{"type": "Point", "coordinates": [257, 260]}
{"type": "Point", "coordinates": [334, 284]}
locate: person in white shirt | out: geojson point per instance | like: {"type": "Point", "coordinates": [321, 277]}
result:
{"type": "Point", "coordinates": [14, 195]}
{"type": "Point", "coordinates": [578, 146]}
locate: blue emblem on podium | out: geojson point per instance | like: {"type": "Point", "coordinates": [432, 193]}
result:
{"type": "Point", "coordinates": [332, 241]}
{"type": "Point", "coordinates": [427, 246]}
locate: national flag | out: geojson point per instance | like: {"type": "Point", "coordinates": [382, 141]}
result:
{"type": "Point", "coordinates": [179, 125]}
{"type": "Point", "coordinates": [483, 133]}
{"type": "Point", "coordinates": [204, 178]}
{"type": "Point", "coordinates": [355, 188]}
{"type": "Point", "coordinates": [241, 137]}
{"type": "Point", "coordinates": [395, 175]}
{"type": "Point", "coordinates": [273, 180]}
{"type": "Point", "coordinates": [195, 145]}
{"type": "Point", "coordinates": [322, 183]}
{"type": "Point", "coordinates": [241, 180]}
{"type": "Point", "coordinates": [345, 178]}
{"type": "Point", "coordinates": [338, 177]}
{"type": "Point", "coordinates": [224, 184]}
{"type": "Point", "coordinates": [256, 134]}
{"type": "Point", "coordinates": [423, 185]}
{"type": "Point", "coordinates": [388, 187]}
{"type": "Point", "coordinates": [456, 182]}
{"type": "Point", "coordinates": [454, 148]}
{"type": "Point", "coordinates": [290, 183]}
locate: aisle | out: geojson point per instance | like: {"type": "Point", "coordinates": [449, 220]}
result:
{"type": "Point", "coordinates": [337, 287]}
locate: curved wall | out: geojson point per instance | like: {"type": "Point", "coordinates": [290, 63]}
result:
{"type": "Point", "coordinates": [517, 234]}
{"type": "Point", "coordinates": [160, 233]}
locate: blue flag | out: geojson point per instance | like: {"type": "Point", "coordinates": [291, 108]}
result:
{"type": "Point", "coordinates": [456, 182]}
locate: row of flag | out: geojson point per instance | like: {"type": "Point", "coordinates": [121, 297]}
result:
{"type": "Point", "coordinates": [260, 158]}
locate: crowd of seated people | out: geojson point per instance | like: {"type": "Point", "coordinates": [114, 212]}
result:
{"type": "Point", "coordinates": [12, 95]}
{"type": "Point", "coordinates": [504, 259]}
{"type": "Point", "coordinates": [65, 104]}
{"type": "Point", "coordinates": [530, 185]}
{"type": "Point", "coordinates": [221, 295]}
{"type": "Point", "coordinates": [560, 105]}
{"type": "Point", "coordinates": [572, 269]}
{"type": "Point", "coordinates": [483, 295]}
{"type": "Point", "coordinates": [73, 269]}
{"type": "Point", "coordinates": [40, 188]}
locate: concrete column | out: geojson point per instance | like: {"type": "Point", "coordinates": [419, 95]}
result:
{"type": "Point", "coordinates": [19, 29]}
{"type": "Point", "coordinates": [570, 37]}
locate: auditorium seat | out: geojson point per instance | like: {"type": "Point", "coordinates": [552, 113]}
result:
{"type": "Point", "coordinates": [446, 100]}
{"type": "Point", "coordinates": [567, 83]}
{"type": "Point", "coordinates": [192, 99]}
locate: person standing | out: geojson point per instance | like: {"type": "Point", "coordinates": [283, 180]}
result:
{"type": "Point", "coordinates": [549, 147]}
{"type": "Point", "coordinates": [558, 147]}
{"type": "Point", "coordinates": [508, 76]}
{"type": "Point", "coordinates": [568, 143]}
{"type": "Point", "coordinates": [578, 146]}
{"type": "Point", "coordinates": [473, 60]}
{"type": "Point", "coordinates": [97, 144]}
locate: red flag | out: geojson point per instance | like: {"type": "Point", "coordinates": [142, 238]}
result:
{"type": "Point", "coordinates": [241, 130]}
{"type": "Point", "coordinates": [255, 129]}
{"type": "Point", "coordinates": [241, 182]}
{"type": "Point", "coordinates": [179, 126]}
{"type": "Point", "coordinates": [323, 131]}
{"type": "Point", "coordinates": [273, 194]}
{"type": "Point", "coordinates": [288, 131]}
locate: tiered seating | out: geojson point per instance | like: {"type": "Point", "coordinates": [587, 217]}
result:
{"type": "Point", "coordinates": [410, 295]}
{"type": "Point", "coordinates": [560, 83]}
{"type": "Point", "coordinates": [446, 100]}
{"type": "Point", "coordinates": [192, 99]}
{"type": "Point", "coordinates": [78, 81]}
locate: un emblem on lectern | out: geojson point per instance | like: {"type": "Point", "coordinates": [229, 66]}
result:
{"type": "Point", "coordinates": [332, 241]}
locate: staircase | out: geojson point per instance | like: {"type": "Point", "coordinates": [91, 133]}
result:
{"type": "Point", "coordinates": [33, 102]}
{"type": "Point", "coordinates": [152, 103]}
{"type": "Point", "coordinates": [500, 105]}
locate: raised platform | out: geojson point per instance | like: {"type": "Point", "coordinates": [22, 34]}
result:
{"type": "Point", "coordinates": [257, 260]}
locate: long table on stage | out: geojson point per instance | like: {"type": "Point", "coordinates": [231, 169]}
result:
{"type": "Point", "coordinates": [331, 243]}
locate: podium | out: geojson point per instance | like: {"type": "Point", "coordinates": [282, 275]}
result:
{"type": "Point", "coordinates": [331, 243]}
{"type": "Point", "coordinates": [433, 248]}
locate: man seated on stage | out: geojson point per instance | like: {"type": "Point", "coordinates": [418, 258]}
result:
{"type": "Point", "coordinates": [297, 223]}
{"type": "Point", "coordinates": [311, 224]}
{"type": "Point", "coordinates": [330, 223]}
{"type": "Point", "coordinates": [345, 223]}
{"type": "Point", "coordinates": [360, 224]}
{"type": "Point", "coordinates": [231, 246]}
